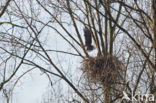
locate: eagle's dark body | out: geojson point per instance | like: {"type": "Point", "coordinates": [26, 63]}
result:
{"type": "Point", "coordinates": [88, 39]}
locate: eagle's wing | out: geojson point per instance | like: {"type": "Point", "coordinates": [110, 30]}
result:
{"type": "Point", "coordinates": [88, 38]}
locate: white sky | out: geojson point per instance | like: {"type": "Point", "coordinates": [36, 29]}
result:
{"type": "Point", "coordinates": [32, 88]}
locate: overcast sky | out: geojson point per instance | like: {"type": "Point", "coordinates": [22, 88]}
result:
{"type": "Point", "coordinates": [31, 88]}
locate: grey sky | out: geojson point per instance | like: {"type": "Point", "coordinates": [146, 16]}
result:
{"type": "Point", "coordinates": [31, 89]}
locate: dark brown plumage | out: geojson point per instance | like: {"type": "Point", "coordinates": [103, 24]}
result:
{"type": "Point", "coordinates": [88, 39]}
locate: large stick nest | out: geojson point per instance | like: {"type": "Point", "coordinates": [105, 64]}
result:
{"type": "Point", "coordinates": [107, 70]}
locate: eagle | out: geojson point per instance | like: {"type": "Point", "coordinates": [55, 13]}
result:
{"type": "Point", "coordinates": [88, 40]}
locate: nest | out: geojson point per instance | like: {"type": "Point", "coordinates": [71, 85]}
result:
{"type": "Point", "coordinates": [107, 70]}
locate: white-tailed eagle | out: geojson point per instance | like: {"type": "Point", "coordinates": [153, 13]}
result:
{"type": "Point", "coordinates": [88, 39]}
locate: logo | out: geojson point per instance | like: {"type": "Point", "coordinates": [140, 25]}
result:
{"type": "Point", "coordinates": [125, 96]}
{"type": "Point", "coordinates": [138, 97]}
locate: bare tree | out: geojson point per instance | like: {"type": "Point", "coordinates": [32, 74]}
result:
{"type": "Point", "coordinates": [120, 28]}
